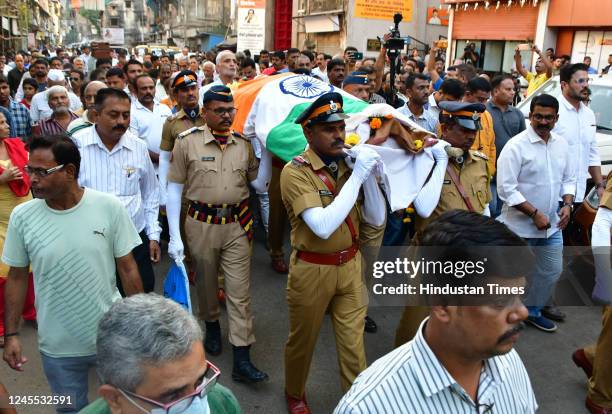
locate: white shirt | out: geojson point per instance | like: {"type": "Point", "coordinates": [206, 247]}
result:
{"type": "Point", "coordinates": [578, 128]}
{"type": "Point", "coordinates": [433, 106]}
{"type": "Point", "coordinates": [320, 74]}
{"type": "Point", "coordinates": [126, 171]}
{"type": "Point", "coordinates": [39, 109]}
{"type": "Point", "coordinates": [148, 125]}
{"type": "Point", "coordinates": [160, 91]}
{"type": "Point", "coordinates": [411, 379]}
{"type": "Point", "coordinates": [529, 169]}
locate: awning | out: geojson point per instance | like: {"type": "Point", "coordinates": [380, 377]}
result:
{"type": "Point", "coordinates": [321, 23]}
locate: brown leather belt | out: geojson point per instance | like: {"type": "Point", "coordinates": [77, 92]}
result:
{"type": "Point", "coordinates": [330, 259]}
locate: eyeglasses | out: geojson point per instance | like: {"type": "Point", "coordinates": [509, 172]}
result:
{"type": "Point", "coordinates": [209, 379]}
{"type": "Point", "coordinates": [41, 172]}
{"type": "Point", "coordinates": [582, 81]}
{"type": "Point", "coordinates": [540, 117]}
{"type": "Point", "coordinates": [223, 111]}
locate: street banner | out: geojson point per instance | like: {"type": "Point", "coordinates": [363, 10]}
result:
{"type": "Point", "coordinates": [113, 35]}
{"type": "Point", "coordinates": [383, 9]}
{"type": "Point", "coordinates": [251, 25]}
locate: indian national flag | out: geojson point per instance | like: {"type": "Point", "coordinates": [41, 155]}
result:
{"type": "Point", "coordinates": [268, 107]}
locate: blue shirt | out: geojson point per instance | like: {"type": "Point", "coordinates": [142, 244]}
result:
{"type": "Point", "coordinates": [411, 379]}
{"type": "Point", "coordinates": [22, 122]}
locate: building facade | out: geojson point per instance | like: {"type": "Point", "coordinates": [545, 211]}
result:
{"type": "Point", "coordinates": [574, 27]}
{"type": "Point", "coordinates": [331, 25]}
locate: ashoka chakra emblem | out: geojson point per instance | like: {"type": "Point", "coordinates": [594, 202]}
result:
{"type": "Point", "coordinates": [303, 86]}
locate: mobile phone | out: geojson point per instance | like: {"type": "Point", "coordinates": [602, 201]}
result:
{"type": "Point", "coordinates": [356, 55]}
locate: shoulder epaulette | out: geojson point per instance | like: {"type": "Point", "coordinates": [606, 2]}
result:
{"type": "Point", "coordinates": [239, 135]}
{"type": "Point", "coordinates": [298, 160]}
{"type": "Point", "coordinates": [171, 118]}
{"type": "Point", "coordinates": [480, 155]}
{"type": "Point", "coordinates": [188, 131]}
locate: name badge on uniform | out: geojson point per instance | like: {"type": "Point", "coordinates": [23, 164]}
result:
{"type": "Point", "coordinates": [208, 158]}
{"type": "Point", "coordinates": [326, 193]}
{"type": "Point", "coordinates": [447, 181]}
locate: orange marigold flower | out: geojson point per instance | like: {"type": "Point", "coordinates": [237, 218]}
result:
{"type": "Point", "coordinates": [375, 123]}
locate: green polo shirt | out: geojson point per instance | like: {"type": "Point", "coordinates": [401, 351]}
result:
{"type": "Point", "coordinates": [220, 400]}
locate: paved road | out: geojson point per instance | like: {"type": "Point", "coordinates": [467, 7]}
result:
{"type": "Point", "coordinates": [560, 387]}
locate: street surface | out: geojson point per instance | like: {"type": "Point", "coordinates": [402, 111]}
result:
{"type": "Point", "coordinates": [560, 387]}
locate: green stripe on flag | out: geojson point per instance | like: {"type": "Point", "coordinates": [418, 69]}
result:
{"type": "Point", "coordinates": [287, 140]}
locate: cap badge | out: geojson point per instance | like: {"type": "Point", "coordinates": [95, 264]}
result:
{"type": "Point", "coordinates": [333, 107]}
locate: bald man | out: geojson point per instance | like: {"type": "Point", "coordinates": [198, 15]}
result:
{"type": "Point", "coordinates": [88, 98]}
{"type": "Point", "coordinates": [226, 68]}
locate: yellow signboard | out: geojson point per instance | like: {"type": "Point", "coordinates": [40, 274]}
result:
{"type": "Point", "coordinates": [383, 9]}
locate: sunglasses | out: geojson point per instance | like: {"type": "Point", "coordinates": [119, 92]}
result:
{"type": "Point", "coordinates": [209, 379]}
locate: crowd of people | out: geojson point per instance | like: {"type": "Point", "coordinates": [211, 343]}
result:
{"type": "Point", "coordinates": [104, 159]}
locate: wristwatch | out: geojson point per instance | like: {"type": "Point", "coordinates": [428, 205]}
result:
{"type": "Point", "coordinates": [570, 205]}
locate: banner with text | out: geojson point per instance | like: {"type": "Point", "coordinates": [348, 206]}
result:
{"type": "Point", "coordinates": [251, 25]}
{"type": "Point", "coordinates": [383, 9]}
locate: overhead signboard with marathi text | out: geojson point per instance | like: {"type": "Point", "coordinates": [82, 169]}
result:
{"type": "Point", "coordinates": [251, 25]}
{"type": "Point", "coordinates": [383, 9]}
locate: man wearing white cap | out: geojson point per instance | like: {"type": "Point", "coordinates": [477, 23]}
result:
{"type": "Point", "coordinates": [40, 109]}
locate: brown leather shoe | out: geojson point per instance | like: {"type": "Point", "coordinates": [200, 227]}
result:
{"type": "Point", "coordinates": [581, 361]}
{"type": "Point", "coordinates": [596, 409]}
{"type": "Point", "coordinates": [297, 406]}
{"type": "Point", "coordinates": [279, 266]}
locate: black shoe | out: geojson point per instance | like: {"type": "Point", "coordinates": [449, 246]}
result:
{"type": "Point", "coordinates": [244, 370]}
{"type": "Point", "coordinates": [212, 343]}
{"type": "Point", "coordinates": [553, 313]}
{"type": "Point", "coordinates": [370, 326]}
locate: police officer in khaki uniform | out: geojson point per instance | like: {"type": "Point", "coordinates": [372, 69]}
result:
{"type": "Point", "coordinates": [466, 186]}
{"type": "Point", "coordinates": [326, 204]}
{"type": "Point", "coordinates": [596, 359]}
{"type": "Point", "coordinates": [214, 166]}
{"type": "Point", "coordinates": [185, 85]}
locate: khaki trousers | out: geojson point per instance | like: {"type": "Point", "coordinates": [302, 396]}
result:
{"type": "Point", "coordinates": [409, 323]}
{"type": "Point", "coordinates": [223, 248]}
{"type": "Point", "coordinates": [600, 384]}
{"type": "Point", "coordinates": [311, 290]}
{"type": "Point", "coordinates": [370, 240]}
{"type": "Point", "coordinates": [278, 216]}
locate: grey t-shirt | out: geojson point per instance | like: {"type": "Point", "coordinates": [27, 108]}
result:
{"type": "Point", "coordinates": [506, 124]}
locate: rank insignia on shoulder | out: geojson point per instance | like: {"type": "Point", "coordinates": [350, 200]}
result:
{"type": "Point", "coordinates": [187, 132]}
{"type": "Point", "coordinates": [298, 160]}
{"type": "Point", "coordinates": [171, 117]}
{"type": "Point", "coordinates": [480, 155]}
{"type": "Point", "coordinates": [325, 193]}
{"type": "Point", "coordinates": [239, 135]}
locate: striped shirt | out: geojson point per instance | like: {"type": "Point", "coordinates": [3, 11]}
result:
{"type": "Point", "coordinates": [125, 171]}
{"type": "Point", "coordinates": [49, 126]}
{"type": "Point", "coordinates": [411, 379]}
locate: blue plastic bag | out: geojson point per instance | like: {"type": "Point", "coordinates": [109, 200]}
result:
{"type": "Point", "coordinates": [176, 285]}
